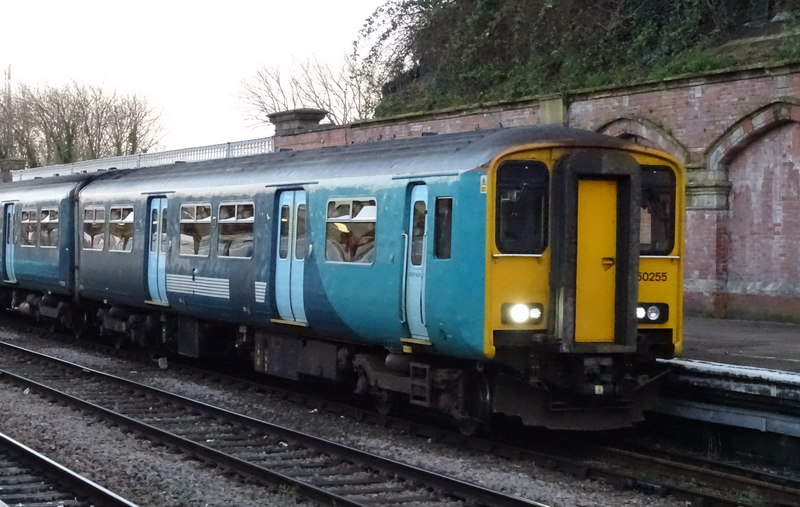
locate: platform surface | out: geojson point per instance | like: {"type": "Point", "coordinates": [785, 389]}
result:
{"type": "Point", "coordinates": [770, 345]}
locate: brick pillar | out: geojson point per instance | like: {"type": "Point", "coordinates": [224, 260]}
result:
{"type": "Point", "coordinates": [707, 240]}
{"type": "Point", "coordinates": [296, 121]}
{"type": "Point", "coordinates": [10, 164]}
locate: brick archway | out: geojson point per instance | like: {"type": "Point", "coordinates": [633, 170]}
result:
{"type": "Point", "coordinates": [638, 129]}
{"type": "Point", "coordinates": [747, 130]}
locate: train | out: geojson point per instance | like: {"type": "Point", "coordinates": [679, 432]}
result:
{"type": "Point", "coordinates": [527, 272]}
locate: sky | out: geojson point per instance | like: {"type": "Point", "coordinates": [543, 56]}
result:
{"type": "Point", "coordinates": [187, 58]}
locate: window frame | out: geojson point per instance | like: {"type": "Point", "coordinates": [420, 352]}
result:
{"type": "Point", "coordinates": [346, 219]}
{"type": "Point", "coordinates": [236, 220]}
{"type": "Point", "coordinates": [438, 223]}
{"type": "Point", "coordinates": [23, 221]}
{"type": "Point", "coordinates": [95, 209]}
{"type": "Point", "coordinates": [49, 209]}
{"type": "Point", "coordinates": [502, 246]}
{"type": "Point", "coordinates": [110, 222]}
{"type": "Point", "coordinates": [208, 220]}
{"type": "Point", "coordinates": [665, 169]}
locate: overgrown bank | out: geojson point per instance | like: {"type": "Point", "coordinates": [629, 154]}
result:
{"type": "Point", "coordinates": [443, 53]}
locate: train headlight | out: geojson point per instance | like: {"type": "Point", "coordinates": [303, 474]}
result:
{"type": "Point", "coordinates": [522, 313]}
{"type": "Point", "coordinates": [652, 313]}
{"type": "Point", "coordinates": [519, 313]}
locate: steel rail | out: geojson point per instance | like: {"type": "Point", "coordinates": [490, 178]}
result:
{"type": "Point", "coordinates": [445, 487]}
{"type": "Point", "coordinates": [30, 476]}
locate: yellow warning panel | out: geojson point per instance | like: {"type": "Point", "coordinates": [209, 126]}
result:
{"type": "Point", "coordinates": [596, 271]}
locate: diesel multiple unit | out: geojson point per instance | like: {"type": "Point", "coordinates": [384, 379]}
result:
{"type": "Point", "coordinates": [533, 272]}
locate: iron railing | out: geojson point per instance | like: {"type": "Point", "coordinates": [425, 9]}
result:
{"type": "Point", "coordinates": [211, 152]}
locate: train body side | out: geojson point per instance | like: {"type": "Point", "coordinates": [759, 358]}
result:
{"type": "Point", "coordinates": [38, 249]}
{"type": "Point", "coordinates": [354, 302]}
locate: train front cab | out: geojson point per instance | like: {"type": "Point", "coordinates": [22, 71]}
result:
{"type": "Point", "coordinates": [584, 282]}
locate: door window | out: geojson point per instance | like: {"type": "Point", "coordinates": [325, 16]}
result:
{"type": "Point", "coordinates": [301, 235]}
{"type": "Point", "coordinates": [418, 233]}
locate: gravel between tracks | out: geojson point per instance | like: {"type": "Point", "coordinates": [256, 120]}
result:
{"type": "Point", "coordinates": [153, 475]}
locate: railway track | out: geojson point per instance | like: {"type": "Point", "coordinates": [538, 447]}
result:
{"type": "Point", "coordinates": [682, 474]}
{"type": "Point", "coordinates": [627, 466]}
{"type": "Point", "coordinates": [269, 454]}
{"type": "Point", "coordinates": [752, 485]}
{"type": "Point", "coordinates": [29, 478]}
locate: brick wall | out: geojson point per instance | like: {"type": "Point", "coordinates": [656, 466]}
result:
{"type": "Point", "coordinates": [737, 133]}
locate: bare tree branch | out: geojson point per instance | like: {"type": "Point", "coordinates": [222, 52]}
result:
{"type": "Point", "coordinates": [51, 125]}
{"type": "Point", "coordinates": [346, 93]}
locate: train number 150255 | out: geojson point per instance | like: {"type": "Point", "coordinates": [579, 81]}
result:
{"type": "Point", "coordinates": [649, 276]}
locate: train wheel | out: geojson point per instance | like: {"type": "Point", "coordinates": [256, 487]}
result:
{"type": "Point", "coordinates": [469, 426]}
{"type": "Point", "coordinates": [476, 403]}
{"type": "Point", "coordinates": [386, 402]}
{"type": "Point", "coordinates": [80, 328]}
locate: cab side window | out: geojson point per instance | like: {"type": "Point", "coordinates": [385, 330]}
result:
{"type": "Point", "coordinates": [443, 227]}
{"type": "Point", "coordinates": [350, 230]}
{"type": "Point", "coordinates": [94, 228]}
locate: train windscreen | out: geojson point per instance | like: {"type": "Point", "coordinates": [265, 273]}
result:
{"type": "Point", "coordinates": [657, 212]}
{"type": "Point", "coordinates": [521, 207]}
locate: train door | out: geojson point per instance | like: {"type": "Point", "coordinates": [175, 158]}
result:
{"type": "Point", "coordinates": [596, 270]}
{"type": "Point", "coordinates": [415, 263]}
{"type": "Point", "coordinates": [292, 248]}
{"type": "Point", "coordinates": [8, 242]}
{"type": "Point", "coordinates": [157, 251]}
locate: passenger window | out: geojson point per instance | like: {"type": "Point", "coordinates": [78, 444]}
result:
{"type": "Point", "coordinates": [301, 239]}
{"type": "Point", "coordinates": [443, 227]}
{"type": "Point", "coordinates": [418, 233]}
{"type": "Point", "coordinates": [196, 229]}
{"type": "Point", "coordinates": [27, 228]}
{"type": "Point", "coordinates": [120, 229]}
{"type": "Point", "coordinates": [350, 230]}
{"type": "Point", "coordinates": [521, 207]}
{"type": "Point", "coordinates": [94, 228]}
{"type": "Point", "coordinates": [48, 228]}
{"type": "Point", "coordinates": [235, 230]}
{"type": "Point", "coordinates": [657, 213]}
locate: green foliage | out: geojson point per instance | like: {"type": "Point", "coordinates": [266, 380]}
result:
{"type": "Point", "coordinates": [692, 61]}
{"type": "Point", "coordinates": [442, 53]}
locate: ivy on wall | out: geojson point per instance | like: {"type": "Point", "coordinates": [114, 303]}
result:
{"type": "Point", "coordinates": [443, 53]}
